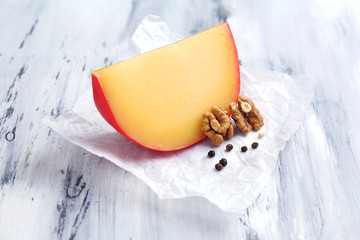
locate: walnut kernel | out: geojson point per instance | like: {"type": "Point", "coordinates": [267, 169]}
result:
{"type": "Point", "coordinates": [239, 119]}
{"type": "Point", "coordinates": [246, 115]}
{"type": "Point", "coordinates": [216, 124]}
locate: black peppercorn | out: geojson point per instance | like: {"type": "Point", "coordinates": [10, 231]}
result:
{"type": "Point", "coordinates": [244, 148]}
{"type": "Point", "coordinates": [223, 162]}
{"type": "Point", "coordinates": [218, 166]}
{"type": "Point", "coordinates": [211, 153]}
{"type": "Point", "coordinates": [229, 147]}
{"type": "Point", "coordinates": [255, 145]}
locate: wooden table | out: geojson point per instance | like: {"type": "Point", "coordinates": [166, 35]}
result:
{"type": "Point", "coordinates": [52, 189]}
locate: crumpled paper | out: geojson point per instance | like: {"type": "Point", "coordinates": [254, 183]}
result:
{"type": "Point", "coordinates": [282, 100]}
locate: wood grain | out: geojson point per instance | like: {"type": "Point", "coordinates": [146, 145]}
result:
{"type": "Point", "coordinates": [51, 189]}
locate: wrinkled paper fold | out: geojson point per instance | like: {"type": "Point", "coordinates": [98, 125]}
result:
{"type": "Point", "coordinates": [282, 100]}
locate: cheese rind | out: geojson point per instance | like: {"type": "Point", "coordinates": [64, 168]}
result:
{"type": "Point", "coordinates": [156, 99]}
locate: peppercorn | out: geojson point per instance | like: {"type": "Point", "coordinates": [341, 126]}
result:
{"type": "Point", "coordinates": [211, 153]}
{"type": "Point", "coordinates": [244, 148]}
{"type": "Point", "coordinates": [255, 145]}
{"type": "Point", "coordinates": [218, 166]}
{"type": "Point", "coordinates": [229, 147]}
{"type": "Point", "coordinates": [223, 162]}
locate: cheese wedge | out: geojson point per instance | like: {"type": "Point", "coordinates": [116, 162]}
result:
{"type": "Point", "coordinates": [156, 99]}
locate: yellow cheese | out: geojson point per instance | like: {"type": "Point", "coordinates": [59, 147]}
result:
{"type": "Point", "coordinates": [157, 98]}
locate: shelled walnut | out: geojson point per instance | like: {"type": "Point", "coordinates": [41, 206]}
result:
{"type": "Point", "coordinates": [254, 117]}
{"type": "Point", "coordinates": [239, 118]}
{"type": "Point", "coordinates": [216, 125]}
{"type": "Point", "coordinates": [246, 116]}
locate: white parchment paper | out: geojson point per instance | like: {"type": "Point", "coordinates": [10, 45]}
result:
{"type": "Point", "coordinates": [282, 100]}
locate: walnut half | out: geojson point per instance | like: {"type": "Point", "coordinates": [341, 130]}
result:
{"type": "Point", "coordinates": [246, 115]}
{"type": "Point", "coordinates": [239, 118]}
{"type": "Point", "coordinates": [254, 117]}
{"type": "Point", "coordinates": [216, 125]}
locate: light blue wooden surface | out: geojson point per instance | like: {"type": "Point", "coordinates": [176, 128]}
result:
{"type": "Point", "coordinates": [51, 189]}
